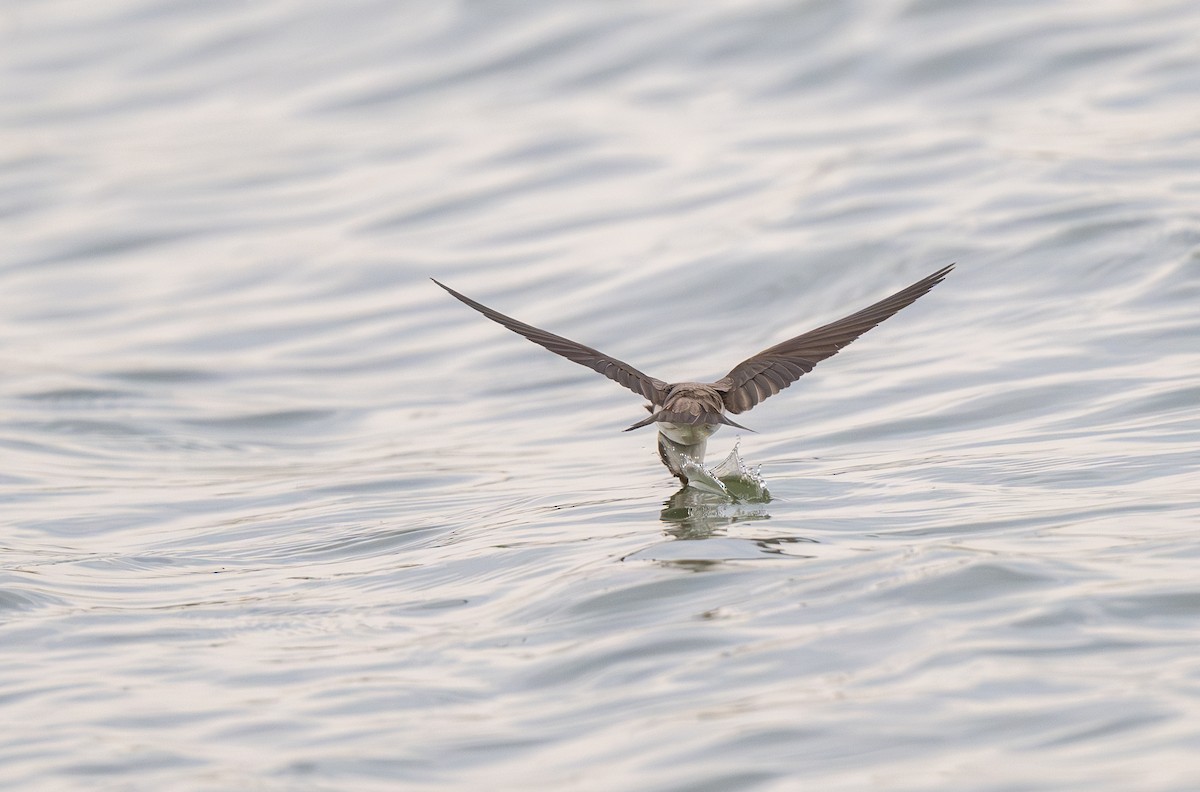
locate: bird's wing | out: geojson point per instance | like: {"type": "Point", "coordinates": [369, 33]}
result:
{"type": "Point", "coordinates": [772, 370]}
{"type": "Point", "coordinates": [624, 374]}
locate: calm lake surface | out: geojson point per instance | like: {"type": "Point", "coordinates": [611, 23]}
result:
{"type": "Point", "coordinates": [279, 514]}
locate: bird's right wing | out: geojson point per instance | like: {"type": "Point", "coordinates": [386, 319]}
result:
{"type": "Point", "coordinates": [620, 372]}
{"type": "Point", "coordinates": [772, 370]}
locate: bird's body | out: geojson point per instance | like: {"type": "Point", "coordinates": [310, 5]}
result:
{"type": "Point", "coordinates": [691, 410]}
{"type": "Point", "coordinates": [688, 413]}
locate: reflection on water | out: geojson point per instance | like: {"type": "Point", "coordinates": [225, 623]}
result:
{"type": "Point", "coordinates": [695, 514]}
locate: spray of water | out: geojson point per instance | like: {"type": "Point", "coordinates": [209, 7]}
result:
{"type": "Point", "coordinates": [732, 478]}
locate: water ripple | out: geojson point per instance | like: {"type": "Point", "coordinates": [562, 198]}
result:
{"type": "Point", "coordinates": [280, 514]}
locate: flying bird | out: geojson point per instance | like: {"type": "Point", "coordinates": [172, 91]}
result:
{"type": "Point", "coordinates": [688, 413]}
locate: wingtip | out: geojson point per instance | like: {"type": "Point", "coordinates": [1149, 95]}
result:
{"type": "Point", "coordinates": [456, 295]}
{"type": "Point", "coordinates": [929, 281]}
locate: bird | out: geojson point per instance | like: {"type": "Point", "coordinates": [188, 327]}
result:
{"type": "Point", "coordinates": [688, 413]}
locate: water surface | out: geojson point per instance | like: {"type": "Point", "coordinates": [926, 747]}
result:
{"type": "Point", "coordinates": [279, 514]}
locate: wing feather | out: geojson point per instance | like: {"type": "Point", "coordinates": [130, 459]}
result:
{"type": "Point", "coordinates": [774, 369]}
{"type": "Point", "coordinates": [620, 372]}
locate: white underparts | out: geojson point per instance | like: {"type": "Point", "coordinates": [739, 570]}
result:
{"type": "Point", "coordinates": [687, 434]}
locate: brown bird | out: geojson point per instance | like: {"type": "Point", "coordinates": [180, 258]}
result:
{"type": "Point", "coordinates": [688, 413]}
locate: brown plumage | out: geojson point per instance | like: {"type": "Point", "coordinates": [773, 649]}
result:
{"type": "Point", "coordinates": [688, 412]}
{"type": "Point", "coordinates": [747, 384]}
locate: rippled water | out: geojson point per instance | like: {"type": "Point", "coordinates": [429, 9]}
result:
{"type": "Point", "coordinates": [280, 515]}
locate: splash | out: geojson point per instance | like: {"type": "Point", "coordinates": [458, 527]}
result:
{"type": "Point", "coordinates": [731, 478]}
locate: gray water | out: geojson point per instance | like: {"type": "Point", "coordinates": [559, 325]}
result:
{"type": "Point", "coordinates": [278, 514]}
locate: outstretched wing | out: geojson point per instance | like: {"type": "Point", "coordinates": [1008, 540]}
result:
{"type": "Point", "coordinates": [772, 370]}
{"type": "Point", "coordinates": [616, 370]}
